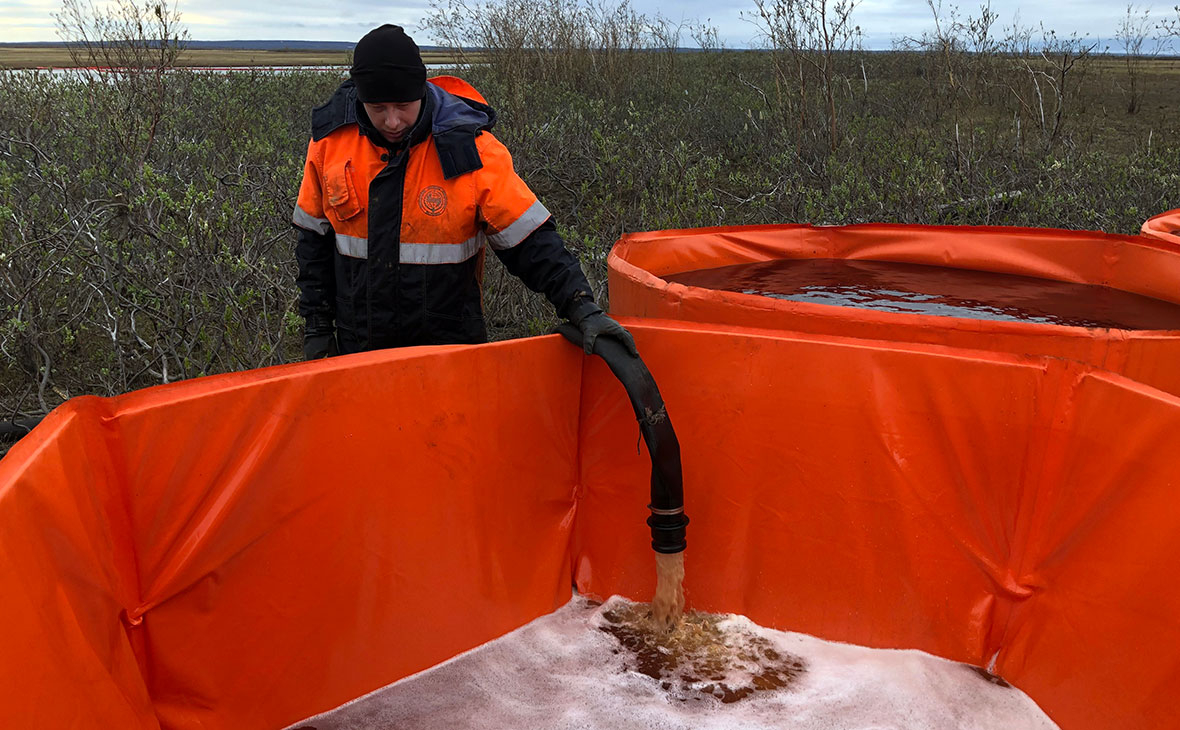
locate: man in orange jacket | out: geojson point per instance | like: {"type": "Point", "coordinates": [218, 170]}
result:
{"type": "Point", "coordinates": [403, 185]}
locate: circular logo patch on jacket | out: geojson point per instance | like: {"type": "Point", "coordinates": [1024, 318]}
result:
{"type": "Point", "coordinates": [432, 200]}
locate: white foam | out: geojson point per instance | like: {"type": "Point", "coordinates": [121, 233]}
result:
{"type": "Point", "coordinates": [561, 673]}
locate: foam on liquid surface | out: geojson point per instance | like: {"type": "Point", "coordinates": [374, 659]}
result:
{"type": "Point", "coordinates": [601, 666]}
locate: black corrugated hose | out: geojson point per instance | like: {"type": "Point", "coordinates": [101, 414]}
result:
{"type": "Point", "coordinates": [667, 520]}
{"type": "Point", "coordinates": [16, 428]}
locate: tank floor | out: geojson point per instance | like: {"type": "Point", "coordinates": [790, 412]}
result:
{"type": "Point", "coordinates": [596, 666]}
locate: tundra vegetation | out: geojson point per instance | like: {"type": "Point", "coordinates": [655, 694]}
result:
{"type": "Point", "coordinates": [145, 231]}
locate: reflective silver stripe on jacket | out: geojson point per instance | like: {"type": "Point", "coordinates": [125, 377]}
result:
{"type": "Point", "coordinates": [358, 248]}
{"type": "Point", "coordinates": [441, 253]}
{"type": "Point", "coordinates": [311, 223]}
{"type": "Point", "coordinates": [520, 230]}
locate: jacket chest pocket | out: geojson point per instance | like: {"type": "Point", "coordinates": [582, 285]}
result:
{"type": "Point", "coordinates": [341, 191]}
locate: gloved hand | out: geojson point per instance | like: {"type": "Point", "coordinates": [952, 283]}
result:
{"type": "Point", "coordinates": [590, 319]}
{"type": "Point", "coordinates": [319, 338]}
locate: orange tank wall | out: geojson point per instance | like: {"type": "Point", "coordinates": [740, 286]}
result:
{"type": "Point", "coordinates": [1164, 227]}
{"type": "Point", "coordinates": [298, 536]}
{"type": "Point", "coordinates": [1132, 263]}
{"type": "Point", "coordinates": [971, 504]}
{"type": "Point", "coordinates": [244, 551]}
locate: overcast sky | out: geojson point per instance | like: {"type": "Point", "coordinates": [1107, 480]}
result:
{"type": "Point", "coordinates": [347, 20]}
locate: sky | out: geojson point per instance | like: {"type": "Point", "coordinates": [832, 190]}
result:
{"type": "Point", "coordinates": [882, 21]}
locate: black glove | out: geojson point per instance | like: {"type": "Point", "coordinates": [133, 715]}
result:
{"type": "Point", "coordinates": [589, 318]}
{"type": "Point", "coordinates": [319, 338]}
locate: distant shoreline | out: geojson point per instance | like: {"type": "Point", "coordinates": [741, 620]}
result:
{"type": "Point", "coordinates": [238, 45]}
{"type": "Point", "coordinates": [14, 57]}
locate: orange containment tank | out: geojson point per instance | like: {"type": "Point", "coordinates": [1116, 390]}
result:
{"type": "Point", "coordinates": [642, 263]}
{"type": "Point", "coordinates": [1164, 227]}
{"type": "Point", "coordinates": [244, 551]}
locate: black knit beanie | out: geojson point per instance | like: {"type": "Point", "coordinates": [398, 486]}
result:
{"type": "Point", "coordinates": [386, 67]}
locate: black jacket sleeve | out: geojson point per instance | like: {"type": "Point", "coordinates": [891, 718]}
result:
{"type": "Point", "coordinates": [317, 277]}
{"type": "Point", "coordinates": [546, 266]}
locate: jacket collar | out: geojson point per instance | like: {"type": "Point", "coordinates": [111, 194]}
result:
{"type": "Point", "coordinates": [453, 121]}
{"type": "Point", "coordinates": [334, 113]}
{"type": "Point", "coordinates": [456, 122]}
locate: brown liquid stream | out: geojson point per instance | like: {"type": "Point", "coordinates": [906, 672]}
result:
{"type": "Point", "coordinates": [667, 606]}
{"type": "Point", "coordinates": [940, 291]}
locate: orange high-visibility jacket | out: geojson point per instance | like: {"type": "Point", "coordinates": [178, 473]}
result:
{"type": "Point", "coordinates": [392, 235]}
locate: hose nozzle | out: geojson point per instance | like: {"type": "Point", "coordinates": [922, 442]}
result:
{"type": "Point", "coordinates": [667, 529]}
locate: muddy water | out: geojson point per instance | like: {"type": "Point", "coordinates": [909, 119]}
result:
{"type": "Point", "coordinates": [591, 666]}
{"type": "Point", "coordinates": [667, 605]}
{"type": "Point", "coordinates": [696, 659]}
{"type": "Point", "coordinates": [940, 291]}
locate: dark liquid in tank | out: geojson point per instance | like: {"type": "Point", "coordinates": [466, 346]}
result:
{"type": "Point", "coordinates": [939, 291]}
